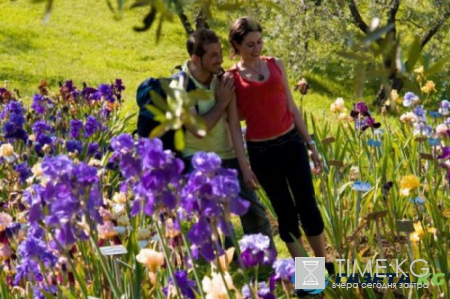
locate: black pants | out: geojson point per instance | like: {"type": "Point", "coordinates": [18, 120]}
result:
{"type": "Point", "coordinates": [282, 168]}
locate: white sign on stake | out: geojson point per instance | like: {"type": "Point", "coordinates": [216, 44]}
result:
{"type": "Point", "coordinates": [113, 250]}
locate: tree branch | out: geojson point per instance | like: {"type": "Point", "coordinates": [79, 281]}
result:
{"type": "Point", "coordinates": [183, 18]}
{"type": "Point", "coordinates": [357, 16]}
{"type": "Point", "coordinates": [433, 30]}
{"type": "Point", "coordinates": [395, 4]}
{"type": "Point", "coordinates": [392, 13]}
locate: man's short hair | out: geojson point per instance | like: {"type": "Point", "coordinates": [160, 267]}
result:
{"type": "Point", "coordinates": [197, 40]}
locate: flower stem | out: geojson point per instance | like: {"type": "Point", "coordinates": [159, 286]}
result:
{"type": "Point", "coordinates": [167, 256]}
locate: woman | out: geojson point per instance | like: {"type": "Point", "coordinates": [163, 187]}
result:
{"type": "Point", "coordinates": [276, 136]}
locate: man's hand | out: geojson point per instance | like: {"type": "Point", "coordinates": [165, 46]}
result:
{"type": "Point", "coordinates": [315, 157]}
{"type": "Point", "coordinates": [250, 179]}
{"type": "Point", "coordinates": [225, 90]}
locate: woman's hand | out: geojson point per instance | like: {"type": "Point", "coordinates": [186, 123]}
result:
{"type": "Point", "coordinates": [315, 157]}
{"type": "Point", "coordinates": [250, 179]}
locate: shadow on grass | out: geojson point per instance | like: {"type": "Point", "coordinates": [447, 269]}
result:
{"type": "Point", "coordinates": [27, 82]}
{"type": "Point", "coordinates": [13, 43]}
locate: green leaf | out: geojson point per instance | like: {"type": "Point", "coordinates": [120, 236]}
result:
{"type": "Point", "coordinates": [148, 20]}
{"type": "Point", "coordinates": [154, 110]}
{"type": "Point", "coordinates": [377, 33]}
{"type": "Point", "coordinates": [413, 54]}
{"type": "Point", "coordinates": [437, 67]}
{"type": "Point", "coordinates": [179, 139]}
{"type": "Point", "coordinates": [165, 85]}
{"type": "Point", "coordinates": [159, 29]}
{"type": "Point", "coordinates": [198, 94]}
{"type": "Point", "coordinates": [352, 55]}
{"type": "Point", "coordinates": [47, 295]}
{"type": "Point", "coordinates": [66, 292]}
{"type": "Point", "coordinates": [160, 130]}
{"type": "Point", "coordinates": [229, 6]}
{"type": "Point", "coordinates": [140, 3]}
{"type": "Point", "coordinates": [110, 6]}
{"type": "Point", "coordinates": [159, 101]}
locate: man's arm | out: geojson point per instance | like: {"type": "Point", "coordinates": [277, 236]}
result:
{"type": "Point", "coordinates": [224, 93]}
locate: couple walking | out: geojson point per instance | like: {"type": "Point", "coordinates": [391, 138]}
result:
{"type": "Point", "coordinates": [256, 89]}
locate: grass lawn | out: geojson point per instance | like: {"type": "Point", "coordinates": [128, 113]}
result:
{"type": "Point", "coordinates": [82, 41]}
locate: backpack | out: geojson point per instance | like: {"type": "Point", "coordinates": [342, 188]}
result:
{"type": "Point", "coordinates": [146, 122]}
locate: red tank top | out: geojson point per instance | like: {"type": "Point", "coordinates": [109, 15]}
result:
{"type": "Point", "coordinates": [263, 104]}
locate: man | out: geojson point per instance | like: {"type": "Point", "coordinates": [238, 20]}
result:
{"type": "Point", "coordinates": [203, 67]}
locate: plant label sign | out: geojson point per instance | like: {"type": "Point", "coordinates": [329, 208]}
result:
{"type": "Point", "coordinates": [328, 140]}
{"type": "Point", "coordinates": [426, 156]}
{"type": "Point", "coordinates": [113, 250]}
{"type": "Point", "coordinates": [337, 163]}
{"type": "Point", "coordinates": [421, 139]}
{"type": "Point", "coordinates": [377, 215]}
{"type": "Point", "coordinates": [405, 226]}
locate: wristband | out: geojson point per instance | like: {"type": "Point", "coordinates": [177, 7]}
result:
{"type": "Point", "coordinates": [311, 143]}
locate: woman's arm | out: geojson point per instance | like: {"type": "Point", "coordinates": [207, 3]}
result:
{"type": "Point", "coordinates": [298, 118]}
{"type": "Point", "coordinates": [238, 143]}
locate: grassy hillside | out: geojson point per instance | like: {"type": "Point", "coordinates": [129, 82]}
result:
{"type": "Point", "coordinates": [83, 42]}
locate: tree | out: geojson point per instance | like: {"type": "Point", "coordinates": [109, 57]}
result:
{"type": "Point", "coordinates": [428, 29]}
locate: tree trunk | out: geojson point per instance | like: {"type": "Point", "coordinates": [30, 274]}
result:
{"type": "Point", "coordinates": [200, 20]}
{"type": "Point", "coordinates": [396, 83]}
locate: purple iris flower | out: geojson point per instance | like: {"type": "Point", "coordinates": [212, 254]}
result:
{"type": "Point", "coordinates": [72, 190]}
{"type": "Point", "coordinates": [409, 98]}
{"type": "Point", "coordinates": [445, 153]}
{"type": "Point", "coordinates": [93, 149]}
{"type": "Point", "coordinates": [33, 250]}
{"type": "Point", "coordinates": [264, 291]}
{"type": "Point", "coordinates": [208, 162]}
{"type": "Point", "coordinates": [92, 125]}
{"type": "Point", "coordinates": [69, 86]}
{"type": "Point", "coordinates": [122, 143]}
{"type": "Point", "coordinates": [187, 286]}
{"type": "Point", "coordinates": [30, 270]}
{"type": "Point", "coordinates": [24, 172]}
{"type": "Point", "coordinates": [90, 93]}
{"type": "Point", "coordinates": [284, 269]}
{"type": "Point", "coordinates": [118, 85]}
{"type": "Point", "coordinates": [422, 129]}
{"type": "Point", "coordinates": [36, 249]}
{"type": "Point", "coordinates": [361, 107]}
{"type": "Point", "coordinates": [255, 250]}
{"type": "Point", "coordinates": [106, 91]}
{"type": "Point", "coordinates": [52, 290]}
{"type": "Point", "coordinates": [419, 111]}
{"type": "Point", "coordinates": [41, 103]}
{"type": "Point", "coordinates": [73, 146]}
{"type": "Point", "coordinates": [75, 127]}
{"type": "Point", "coordinates": [37, 104]}
{"type": "Point", "coordinates": [41, 127]}
{"type": "Point", "coordinates": [13, 112]}
{"type": "Point", "coordinates": [56, 166]}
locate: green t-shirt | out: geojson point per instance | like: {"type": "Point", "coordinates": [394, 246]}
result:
{"type": "Point", "coordinates": [218, 139]}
